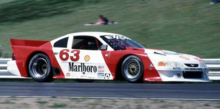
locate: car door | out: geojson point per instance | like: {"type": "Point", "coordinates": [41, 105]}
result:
{"type": "Point", "coordinates": [60, 48]}
{"type": "Point", "coordinates": [84, 60]}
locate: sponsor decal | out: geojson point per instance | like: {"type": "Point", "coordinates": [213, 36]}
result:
{"type": "Point", "coordinates": [184, 57]}
{"type": "Point", "coordinates": [82, 68]}
{"type": "Point", "coordinates": [107, 54]}
{"type": "Point", "coordinates": [91, 77]}
{"type": "Point", "coordinates": [107, 76]}
{"type": "Point", "coordinates": [198, 59]}
{"type": "Point", "coordinates": [193, 69]}
{"type": "Point", "coordinates": [101, 75]}
{"type": "Point", "coordinates": [83, 73]}
{"type": "Point", "coordinates": [151, 66]}
{"type": "Point", "coordinates": [116, 37]}
{"type": "Point", "coordinates": [101, 69]}
{"type": "Point", "coordinates": [87, 58]}
{"type": "Point", "coordinates": [83, 76]}
{"type": "Point", "coordinates": [68, 75]}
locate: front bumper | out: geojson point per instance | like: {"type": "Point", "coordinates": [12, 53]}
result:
{"type": "Point", "coordinates": [198, 75]}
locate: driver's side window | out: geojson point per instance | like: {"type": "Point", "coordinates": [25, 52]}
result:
{"type": "Point", "coordinates": [86, 43]}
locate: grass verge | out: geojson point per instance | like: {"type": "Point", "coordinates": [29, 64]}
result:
{"type": "Point", "coordinates": [185, 26]}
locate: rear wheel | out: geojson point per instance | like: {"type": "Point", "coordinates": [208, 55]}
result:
{"type": "Point", "coordinates": [132, 69]}
{"type": "Point", "coordinates": [40, 68]}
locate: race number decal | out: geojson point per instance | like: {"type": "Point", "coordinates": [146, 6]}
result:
{"type": "Point", "coordinates": [64, 55]}
{"type": "Point", "coordinates": [75, 56]}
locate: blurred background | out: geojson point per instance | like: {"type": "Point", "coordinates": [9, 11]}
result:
{"type": "Point", "coordinates": [185, 26]}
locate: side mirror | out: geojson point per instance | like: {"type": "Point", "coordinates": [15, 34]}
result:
{"type": "Point", "coordinates": [103, 47]}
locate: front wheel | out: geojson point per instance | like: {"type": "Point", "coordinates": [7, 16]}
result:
{"type": "Point", "coordinates": [132, 69]}
{"type": "Point", "coordinates": [40, 68]}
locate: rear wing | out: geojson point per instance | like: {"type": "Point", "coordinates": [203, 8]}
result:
{"type": "Point", "coordinates": [21, 42]}
{"type": "Point", "coordinates": [21, 47]}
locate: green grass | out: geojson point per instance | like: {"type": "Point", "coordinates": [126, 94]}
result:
{"type": "Point", "coordinates": [5, 1]}
{"type": "Point", "coordinates": [53, 96]}
{"type": "Point", "coordinates": [58, 105]}
{"type": "Point", "coordinates": [42, 102]}
{"type": "Point", "coordinates": [206, 104]}
{"type": "Point", "coordinates": [185, 26]}
{"type": "Point", "coordinates": [7, 102]}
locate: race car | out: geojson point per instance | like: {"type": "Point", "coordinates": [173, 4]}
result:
{"type": "Point", "coordinates": [101, 56]}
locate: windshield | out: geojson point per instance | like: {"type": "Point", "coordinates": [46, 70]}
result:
{"type": "Point", "coordinates": [118, 42]}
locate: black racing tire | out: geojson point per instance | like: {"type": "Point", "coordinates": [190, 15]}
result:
{"type": "Point", "coordinates": [40, 68]}
{"type": "Point", "coordinates": [132, 69]}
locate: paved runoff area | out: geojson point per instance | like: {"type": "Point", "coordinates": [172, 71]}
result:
{"type": "Point", "coordinates": [119, 90]}
{"type": "Point", "coordinates": [104, 103]}
{"type": "Point", "coordinates": [26, 95]}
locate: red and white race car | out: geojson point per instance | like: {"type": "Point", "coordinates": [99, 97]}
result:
{"type": "Point", "coordinates": [101, 56]}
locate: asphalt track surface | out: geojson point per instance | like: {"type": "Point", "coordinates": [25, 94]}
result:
{"type": "Point", "coordinates": [125, 90]}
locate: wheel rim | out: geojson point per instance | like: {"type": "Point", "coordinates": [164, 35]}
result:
{"type": "Point", "coordinates": [39, 68]}
{"type": "Point", "coordinates": [132, 68]}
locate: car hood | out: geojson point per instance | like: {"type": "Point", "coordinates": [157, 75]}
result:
{"type": "Point", "coordinates": [165, 55]}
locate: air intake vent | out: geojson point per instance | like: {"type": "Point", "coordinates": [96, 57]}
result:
{"type": "Point", "coordinates": [189, 74]}
{"type": "Point", "coordinates": [192, 65]}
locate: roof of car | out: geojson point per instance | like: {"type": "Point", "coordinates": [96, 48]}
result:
{"type": "Point", "coordinates": [95, 34]}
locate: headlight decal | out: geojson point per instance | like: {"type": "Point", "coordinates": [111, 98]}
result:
{"type": "Point", "coordinates": [174, 65]}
